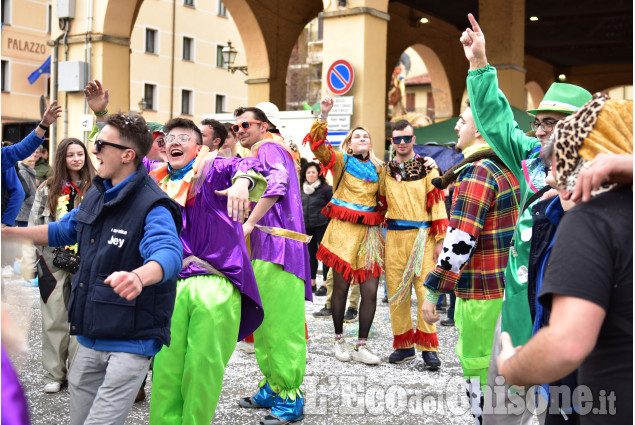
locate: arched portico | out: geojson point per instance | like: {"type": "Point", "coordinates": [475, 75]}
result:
{"type": "Point", "coordinates": [438, 80]}
{"type": "Point", "coordinates": [269, 31]}
{"type": "Point", "coordinates": [437, 44]}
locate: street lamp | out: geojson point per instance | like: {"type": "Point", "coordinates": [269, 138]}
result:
{"type": "Point", "coordinates": [142, 105]}
{"type": "Point", "coordinates": [229, 56]}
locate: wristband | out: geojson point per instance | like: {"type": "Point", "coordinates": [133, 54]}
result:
{"type": "Point", "coordinates": [138, 277]}
{"type": "Point", "coordinates": [322, 117]}
{"type": "Point", "coordinates": [43, 127]}
{"type": "Point", "coordinates": [101, 114]}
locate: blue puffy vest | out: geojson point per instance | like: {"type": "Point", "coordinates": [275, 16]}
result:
{"type": "Point", "coordinates": [109, 235]}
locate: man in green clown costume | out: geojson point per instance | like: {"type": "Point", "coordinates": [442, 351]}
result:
{"type": "Point", "coordinates": [521, 153]}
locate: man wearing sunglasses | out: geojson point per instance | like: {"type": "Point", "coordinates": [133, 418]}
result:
{"type": "Point", "coordinates": [97, 98]}
{"type": "Point", "coordinates": [123, 293]}
{"type": "Point", "coordinates": [282, 270]}
{"type": "Point", "coordinates": [416, 227]}
{"type": "Point", "coordinates": [217, 301]}
{"type": "Point", "coordinates": [521, 153]}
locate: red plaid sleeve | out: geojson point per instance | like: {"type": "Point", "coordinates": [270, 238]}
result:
{"type": "Point", "coordinates": [473, 198]}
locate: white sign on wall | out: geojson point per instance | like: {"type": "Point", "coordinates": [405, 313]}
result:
{"type": "Point", "coordinates": [342, 105]}
{"type": "Point", "coordinates": [339, 122]}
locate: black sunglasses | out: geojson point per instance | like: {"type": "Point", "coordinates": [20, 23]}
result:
{"type": "Point", "coordinates": [99, 144]}
{"type": "Point", "coordinates": [402, 139]}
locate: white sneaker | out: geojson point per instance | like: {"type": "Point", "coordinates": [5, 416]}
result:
{"type": "Point", "coordinates": [245, 347]}
{"type": "Point", "coordinates": [53, 387]}
{"type": "Point", "coordinates": [364, 355]}
{"type": "Point", "coordinates": [342, 353]}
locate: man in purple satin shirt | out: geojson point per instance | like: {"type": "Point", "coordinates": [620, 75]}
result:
{"type": "Point", "coordinates": [281, 266]}
{"type": "Point", "coordinates": [217, 301]}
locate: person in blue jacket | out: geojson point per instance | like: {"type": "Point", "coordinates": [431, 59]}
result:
{"type": "Point", "coordinates": [122, 296]}
{"type": "Point", "coordinates": [12, 191]}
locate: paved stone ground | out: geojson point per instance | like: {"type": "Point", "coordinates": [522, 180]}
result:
{"type": "Point", "coordinates": [336, 393]}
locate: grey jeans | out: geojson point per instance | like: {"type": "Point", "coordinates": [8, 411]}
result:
{"type": "Point", "coordinates": [103, 385]}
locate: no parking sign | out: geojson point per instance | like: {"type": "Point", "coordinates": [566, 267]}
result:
{"type": "Point", "coordinates": [340, 77]}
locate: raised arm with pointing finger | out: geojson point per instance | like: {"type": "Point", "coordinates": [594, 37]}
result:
{"type": "Point", "coordinates": [494, 119]}
{"type": "Point", "coordinates": [492, 113]}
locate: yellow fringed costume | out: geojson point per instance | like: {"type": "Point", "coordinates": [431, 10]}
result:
{"type": "Point", "coordinates": [417, 220]}
{"type": "Point", "coordinates": [353, 244]}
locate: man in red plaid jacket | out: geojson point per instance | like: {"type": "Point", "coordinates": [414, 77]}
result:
{"type": "Point", "coordinates": [475, 251]}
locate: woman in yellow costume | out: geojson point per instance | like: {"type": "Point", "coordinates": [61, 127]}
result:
{"type": "Point", "coordinates": [352, 245]}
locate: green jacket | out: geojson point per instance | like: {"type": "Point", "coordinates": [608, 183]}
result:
{"type": "Point", "coordinates": [42, 170]}
{"type": "Point", "coordinates": [495, 121]}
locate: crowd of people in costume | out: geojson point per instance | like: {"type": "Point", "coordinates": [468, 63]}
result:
{"type": "Point", "coordinates": [188, 249]}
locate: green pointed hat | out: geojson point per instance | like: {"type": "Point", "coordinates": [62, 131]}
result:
{"type": "Point", "coordinates": [563, 98]}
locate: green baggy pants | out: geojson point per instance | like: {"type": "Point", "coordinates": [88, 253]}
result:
{"type": "Point", "coordinates": [188, 375]}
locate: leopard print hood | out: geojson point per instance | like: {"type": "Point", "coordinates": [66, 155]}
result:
{"type": "Point", "coordinates": [602, 125]}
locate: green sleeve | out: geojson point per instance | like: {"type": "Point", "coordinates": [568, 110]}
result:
{"type": "Point", "coordinates": [259, 183]}
{"type": "Point", "coordinates": [97, 126]}
{"type": "Point", "coordinates": [433, 296]}
{"type": "Point", "coordinates": [495, 121]}
{"type": "Point", "coordinates": [93, 133]}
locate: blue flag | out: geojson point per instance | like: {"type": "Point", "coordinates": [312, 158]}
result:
{"type": "Point", "coordinates": [45, 68]}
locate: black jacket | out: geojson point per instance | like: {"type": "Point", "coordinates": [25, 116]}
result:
{"type": "Point", "coordinates": [542, 233]}
{"type": "Point", "coordinates": [313, 204]}
{"type": "Point", "coordinates": [109, 235]}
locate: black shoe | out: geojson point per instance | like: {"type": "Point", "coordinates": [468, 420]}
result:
{"type": "Point", "coordinates": [401, 355]}
{"type": "Point", "coordinates": [431, 360]}
{"type": "Point", "coordinates": [313, 289]}
{"type": "Point", "coordinates": [447, 322]}
{"type": "Point", "coordinates": [321, 291]}
{"type": "Point", "coordinates": [385, 300]}
{"type": "Point", "coordinates": [323, 314]}
{"type": "Point", "coordinates": [351, 315]}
